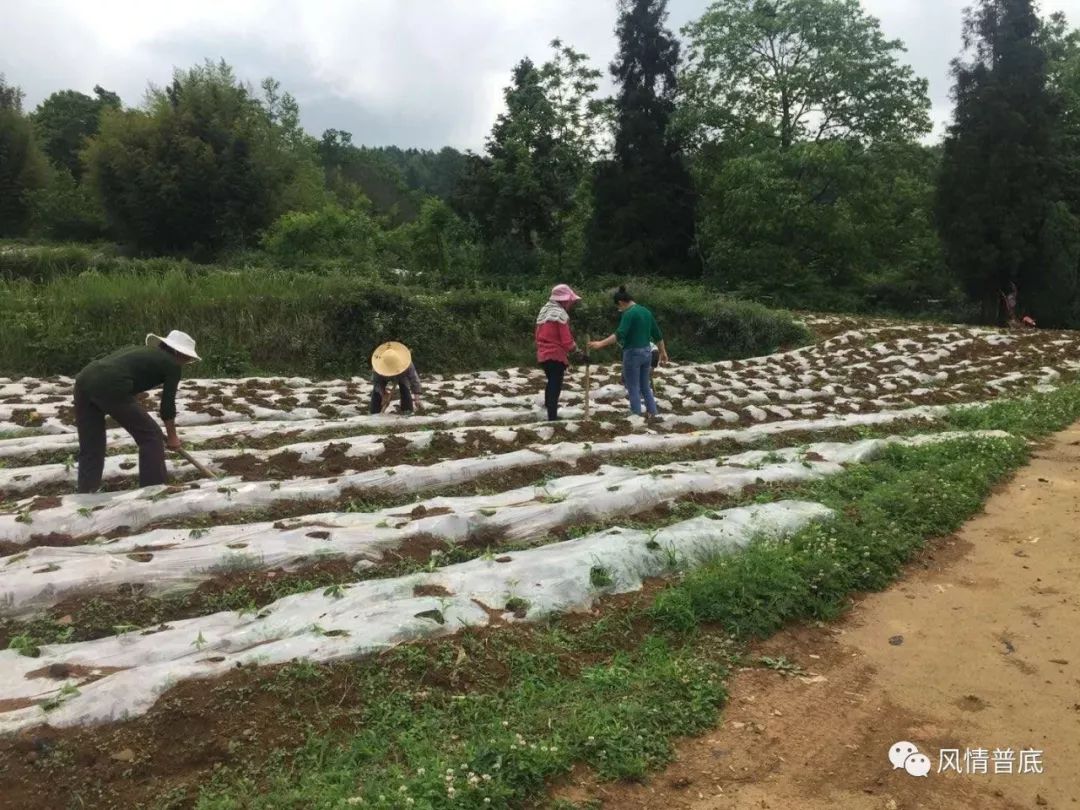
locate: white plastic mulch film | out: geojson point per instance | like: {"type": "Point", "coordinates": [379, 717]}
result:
{"type": "Point", "coordinates": [309, 477]}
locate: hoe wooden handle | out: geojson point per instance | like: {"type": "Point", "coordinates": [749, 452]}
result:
{"type": "Point", "coordinates": [190, 459]}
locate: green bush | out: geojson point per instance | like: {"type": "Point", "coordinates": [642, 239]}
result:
{"type": "Point", "coordinates": [39, 263]}
{"type": "Point", "coordinates": [327, 324]}
{"type": "Point", "coordinates": [300, 238]}
{"type": "Point", "coordinates": [65, 210]}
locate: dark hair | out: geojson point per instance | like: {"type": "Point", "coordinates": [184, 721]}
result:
{"type": "Point", "coordinates": [622, 295]}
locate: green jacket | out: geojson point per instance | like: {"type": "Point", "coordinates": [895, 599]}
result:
{"type": "Point", "coordinates": [637, 328]}
{"type": "Point", "coordinates": [130, 371]}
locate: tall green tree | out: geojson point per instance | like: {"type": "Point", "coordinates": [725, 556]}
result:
{"type": "Point", "coordinates": [206, 165]}
{"type": "Point", "coordinates": [799, 108]}
{"type": "Point", "coordinates": [22, 165]}
{"type": "Point", "coordinates": [643, 200]}
{"type": "Point", "coordinates": [785, 71]}
{"type": "Point", "coordinates": [582, 126]}
{"type": "Point", "coordinates": [525, 192]}
{"type": "Point", "coordinates": [511, 192]}
{"type": "Point", "coordinates": [11, 96]}
{"type": "Point", "coordinates": [66, 120]}
{"type": "Point", "coordinates": [522, 153]}
{"type": "Point", "coordinates": [356, 173]}
{"type": "Point", "coordinates": [999, 191]}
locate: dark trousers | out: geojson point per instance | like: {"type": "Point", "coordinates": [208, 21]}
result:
{"type": "Point", "coordinates": [406, 398]}
{"type": "Point", "coordinates": [132, 417]}
{"type": "Point", "coordinates": [555, 372]}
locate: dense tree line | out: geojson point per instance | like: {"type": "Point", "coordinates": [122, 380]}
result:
{"type": "Point", "coordinates": [777, 151]}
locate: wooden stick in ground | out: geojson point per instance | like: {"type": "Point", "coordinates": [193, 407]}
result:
{"type": "Point", "coordinates": [190, 459]}
{"type": "Point", "coordinates": [588, 375]}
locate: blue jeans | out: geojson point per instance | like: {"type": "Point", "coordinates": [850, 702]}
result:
{"type": "Point", "coordinates": [637, 371]}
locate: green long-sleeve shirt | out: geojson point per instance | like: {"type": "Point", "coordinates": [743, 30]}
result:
{"type": "Point", "coordinates": [131, 371]}
{"type": "Point", "coordinates": [637, 328]}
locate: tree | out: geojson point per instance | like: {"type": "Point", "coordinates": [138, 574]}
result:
{"type": "Point", "coordinates": [797, 70]}
{"type": "Point", "coordinates": [22, 166]}
{"type": "Point", "coordinates": [511, 192]}
{"type": "Point", "coordinates": [799, 108]}
{"type": "Point", "coordinates": [11, 96]}
{"type": "Point", "coordinates": [582, 125]}
{"type": "Point", "coordinates": [65, 210]}
{"type": "Point", "coordinates": [521, 150]}
{"type": "Point", "coordinates": [354, 172]}
{"type": "Point", "coordinates": [66, 120]}
{"type": "Point", "coordinates": [643, 202]}
{"type": "Point", "coordinates": [999, 190]}
{"type": "Point", "coordinates": [826, 225]}
{"type": "Point", "coordinates": [524, 193]}
{"type": "Point", "coordinates": [206, 164]}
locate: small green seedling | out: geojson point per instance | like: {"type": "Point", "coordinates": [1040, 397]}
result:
{"type": "Point", "coordinates": [600, 577]}
{"type": "Point", "coordinates": [518, 606]}
{"type": "Point", "coordinates": [66, 691]}
{"type": "Point", "coordinates": [24, 645]}
{"type": "Point", "coordinates": [781, 664]}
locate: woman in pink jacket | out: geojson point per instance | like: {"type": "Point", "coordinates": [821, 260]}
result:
{"type": "Point", "coordinates": [554, 343]}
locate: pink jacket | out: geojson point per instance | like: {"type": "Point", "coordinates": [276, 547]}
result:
{"type": "Point", "coordinates": [553, 342]}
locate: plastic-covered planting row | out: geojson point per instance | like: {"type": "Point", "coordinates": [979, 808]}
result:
{"type": "Point", "coordinates": [122, 676]}
{"type": "Point", "coordinates": [887, 374]}
{"type": "Point", "coordinates": [349, 453]}
{"type": "Point", "coordinates": [168, 560]}
{"type": "Point", "coordinates": [90, 516]}
{"type": "Point", "coordinates": [239, 433]}
{"type": "Point", "coordinates": [358, 449]}
{"type": "Point", "coordinates": [346, 392]}
{"type": "Point", "coordinates": [845, 350]}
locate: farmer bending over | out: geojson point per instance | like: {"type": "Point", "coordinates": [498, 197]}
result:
{"type": "Point", "coordinates": [107, 387]}
{"type": "Point", "coordinates": [392, 363]}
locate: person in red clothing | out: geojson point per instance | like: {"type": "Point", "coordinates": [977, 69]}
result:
{"type": "Point", "coordinates": [554, 343]}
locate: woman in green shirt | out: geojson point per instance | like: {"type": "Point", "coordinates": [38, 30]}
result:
{"type": "Point", "coordinates": [107, 387]}
{"type": "Point", "coordinates": [637, 331]}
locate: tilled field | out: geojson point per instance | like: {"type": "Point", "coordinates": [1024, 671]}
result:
{"type": "Point", "coordinates": [333, 534]}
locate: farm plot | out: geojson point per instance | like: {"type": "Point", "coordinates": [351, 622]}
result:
{"type": "Point", "coordinates": [352, 533]}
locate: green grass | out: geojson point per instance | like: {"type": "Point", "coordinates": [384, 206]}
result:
{"type": "Point", "coordinates": [660, 670]}
{"type": "Point", "coordinates": [277, 321]}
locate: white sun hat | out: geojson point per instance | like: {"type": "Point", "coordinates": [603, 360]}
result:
{"type": "Point", "coordinates": [180, 342]}
{"type": "Point", "coordinates": [391, 359]}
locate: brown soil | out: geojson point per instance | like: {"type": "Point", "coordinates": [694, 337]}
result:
{"type": "Point", "coordinates": [443, 447]}
{"type": "Point", "coordinates": [252, 713]}
{"type": "Point", "coordinates": [976, 648]}
{"type": "Point", "coordinates": [46, 502]}
{"type": "Point", "coordinates": [98, 614]}
{"type": "Point", "coordinates": [27, 418]}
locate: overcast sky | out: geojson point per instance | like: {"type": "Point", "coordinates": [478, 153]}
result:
{"type": "Point", "coordinates": [423, 73]}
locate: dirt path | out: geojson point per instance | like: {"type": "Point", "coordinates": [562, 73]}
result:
{"type": "Point", "coordinates": [977, 648]}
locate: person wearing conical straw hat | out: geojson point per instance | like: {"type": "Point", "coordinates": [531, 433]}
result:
{"type": "Point", "coordinates": [392, 363]}
{"type": "Point", "coordinates": [107, 387]}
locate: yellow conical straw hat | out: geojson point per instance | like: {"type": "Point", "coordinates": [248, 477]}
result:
{"type": "Point", "coordinates": [391, 359]}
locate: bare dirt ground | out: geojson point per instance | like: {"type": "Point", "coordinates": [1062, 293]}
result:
{"type": "Point", "coordinates": [977, 648]}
